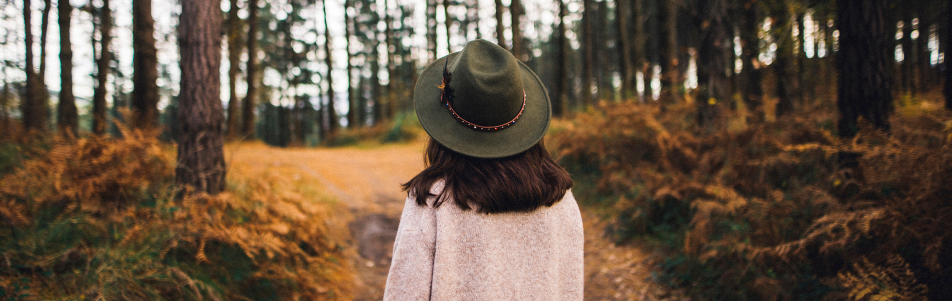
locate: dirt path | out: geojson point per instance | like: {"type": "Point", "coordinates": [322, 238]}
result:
{"type": "Point", "coordinates": [366, 182]}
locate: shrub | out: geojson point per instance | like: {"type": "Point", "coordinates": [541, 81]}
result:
{"type": "Point", "coordinates": [769, 212]}
{"type": "Point", "coordinates": [100, 217]}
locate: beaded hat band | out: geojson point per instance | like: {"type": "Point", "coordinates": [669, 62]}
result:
{"type": "Point", "coordinates": [446, 98]}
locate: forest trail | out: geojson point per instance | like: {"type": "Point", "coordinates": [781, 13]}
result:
{"type": "Point", "coordinates": [366, 185]}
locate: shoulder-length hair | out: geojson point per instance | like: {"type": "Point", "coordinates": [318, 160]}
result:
{"type": "Point", "coordinates": [518, 183]}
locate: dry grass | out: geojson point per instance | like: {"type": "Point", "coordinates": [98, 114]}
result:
{"type": "Point", "coordinates": [99, 218]}
{"type": "Point", "coordinates": [766, 212]}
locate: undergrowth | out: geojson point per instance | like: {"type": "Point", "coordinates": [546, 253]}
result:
{"type": "Point", "coordinates": [100, 219]}
{"type": "Point", "coordinates": [782, 210]}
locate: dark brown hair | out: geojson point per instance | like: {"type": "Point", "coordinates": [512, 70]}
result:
{"type": "Point", "coordinates": [518, 183]}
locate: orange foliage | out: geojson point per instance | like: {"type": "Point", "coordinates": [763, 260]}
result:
{"type": "Point", "coordinates": [99, 217]}
{"type": "Point", "coordinates": [769, 207]}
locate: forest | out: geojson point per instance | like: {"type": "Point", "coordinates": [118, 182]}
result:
{"type": "Point", "coordinates": [753, 149]}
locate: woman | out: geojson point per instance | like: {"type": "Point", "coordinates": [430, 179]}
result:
{"type": "Point", "coordinates": [491, 217]}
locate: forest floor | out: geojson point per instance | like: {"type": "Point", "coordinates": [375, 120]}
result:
{"type": "Point", "coordinates": [365, 181]}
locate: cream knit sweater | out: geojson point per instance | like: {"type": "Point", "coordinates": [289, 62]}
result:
{"type": "Point", "coordinates": [450, 254]}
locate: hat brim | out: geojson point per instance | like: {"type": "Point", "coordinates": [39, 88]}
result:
{"type": "Point", "coordinates": [440, 124]}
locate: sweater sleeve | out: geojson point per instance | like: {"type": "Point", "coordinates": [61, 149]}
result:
{"type": "Point", "coordinates": [411, 269]}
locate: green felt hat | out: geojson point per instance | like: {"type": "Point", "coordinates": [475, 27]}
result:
{"type": "Point", "coordinates": [492, 106]}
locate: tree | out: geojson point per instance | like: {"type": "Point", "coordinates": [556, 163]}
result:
{"type": "Point", "coordinates": [561, 72]}
{"type": "Point", "coordinates": [588, 47]}
{"type": "Point", "coordinates": [623, 46]}
{"type": "Point", "coordinates": [500, 28]}
{"type": "Point", "coordinates": [352, 99]}
{"type": "Point", "coordinates": [863, 85]}
{"type": "Point", "coordinates": [67, 119]}
{"type": "Point", "coordinates": [234, 52]}
{"type": "Point", "coordinates": [332, 122]}
{"type": "Point", "coordinates": [34, 112]}
{"type": "Point", "coordinates": [752, 68]}
{"type": "Point", "coordinates": [431, 29]}
{"type": "Point", "coordinates": [448, 23]}
{"type": "Point", "coordinates": [670, 75]}
{"type": "Point", "coordinates": [948, 65]}
{"type": "Point", "coordinates": [248, 106]}
{"type": "Point", "coordinates": [201, 159]}
{"type": "Point", "coordinates": [102, 69]}
{"type": "Point", "coordinates": [518, 45]}
{"type": "Point", "coordinates": [712, 81]}
{"type": "Point", "coordinates": [44, 31]}
{"type": "Point", "coordinates": [637, 46]}
{"type": "Point", "coordinates": [788, 84]}
{"type": "Point", "coordinates": [145, 93]}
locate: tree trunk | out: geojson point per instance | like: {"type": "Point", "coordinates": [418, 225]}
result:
{"type": "Point", "coordinates": [201, 160]}
{"type": "Point", "coordinates": [561, 72]}
{"type": "Point", "coordinates": [248, 106]}
{"type": "Point", "coordinates": [623, 46]}
{"type": "Point", "coordinates": [145, 96]}
{"type": "Point", "coordinates": [389, 102]}
{"type": "Point", "coordinates": [44, 30]}
{"type": "Point", "coordinates": [500, 28]}
{"type": "Point", "coordinates": [447, 23]}
{"type": "Point", "coordinates": [948, 59]}
{"type": "Point", "coordinates": [788, 84]}
{"type": "Point", "coordinates": [332, 120]}
{"type": "Point", "coordinates": [234, 54]}
{"type": "Point", "coordinates": [752, 68]}
{"type": "Point", "coordinates": [67, 119]}
{"type": "Point", "coordinates": [713, 83]}
{"type": "Point", "coordinates": [638, 57]}
{"type": "Point", "coordinates": [376, 96]}
{"type": "Point", "coordinates": [670, 75]}
{"type": "Point", "coordinates": [518, 47]}
{"type": "Point", "coordinates": [34, 115]}
{"type": "Point", "coordinates": [431, 29]}
{"type": "Point", "coordinates": [603, 69]}
{"type": "Point", "coordinates": [102, 70]}
{"type": "Point", "coordinates": [862, 62]}
{"type": "Point", "coordinates": [587, 49]}
{"type": "Point", "coordinates": [352, 99]}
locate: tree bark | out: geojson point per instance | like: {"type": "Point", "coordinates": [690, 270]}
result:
{"type": "Point", "coordinates": [788, 83]}
{"type": "Point", "coordinates": [392, 48]}
{"type": "Point", "coordinates": [431, 28]}
{"type": "Point", "coordinates": [561, 72]}
{"type": "Point", "coordinates": [376, 96]}
{"type": "Point", "coordinates": [447, 23]}
{"type": "Point", "coordinates": [623, 46]}
{"type": "Point", "coordinates": [862, 62]}
{"type": "Point", "coordinates": [102, 70]}
{"type": "Point", "coordinates": [34, 115]}
{"type": "Point", "coordinates": [752, 67]}
{"type": "Point", "coordinates": [332, 119]}
{"type": "Point", "coordinates": [639, 60]}
{"type": "Point", "coordinates": [67, 119]}
{"type": "Point", "coordinates": [713, 83]}
{"type": "Point", "coordinates": [587, 52]}
{"type": "Point", "coordinates": [145, 94]}
{"type": "Point", "coordinates": [518, 47]}
{"type": "Point", "coordinates": [500, 28]}
{"type": "Point", "coordinates": [234, 54]}
{"type": "Point", "coordinates": [249, 105]}
{"type": "Point", "coordinates": [200, 162]}
{"type": "Point", "coordinates": [948, 59]}
{"type": "Point", "coordinates": [670, 75]}
{"type": "Point", "coordinates": [352, 99]}
{"type": "Point", "coordinates": [44, 31]}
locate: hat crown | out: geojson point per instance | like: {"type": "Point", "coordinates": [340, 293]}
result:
{"type": "Point", "coordinates": [487, 84]}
